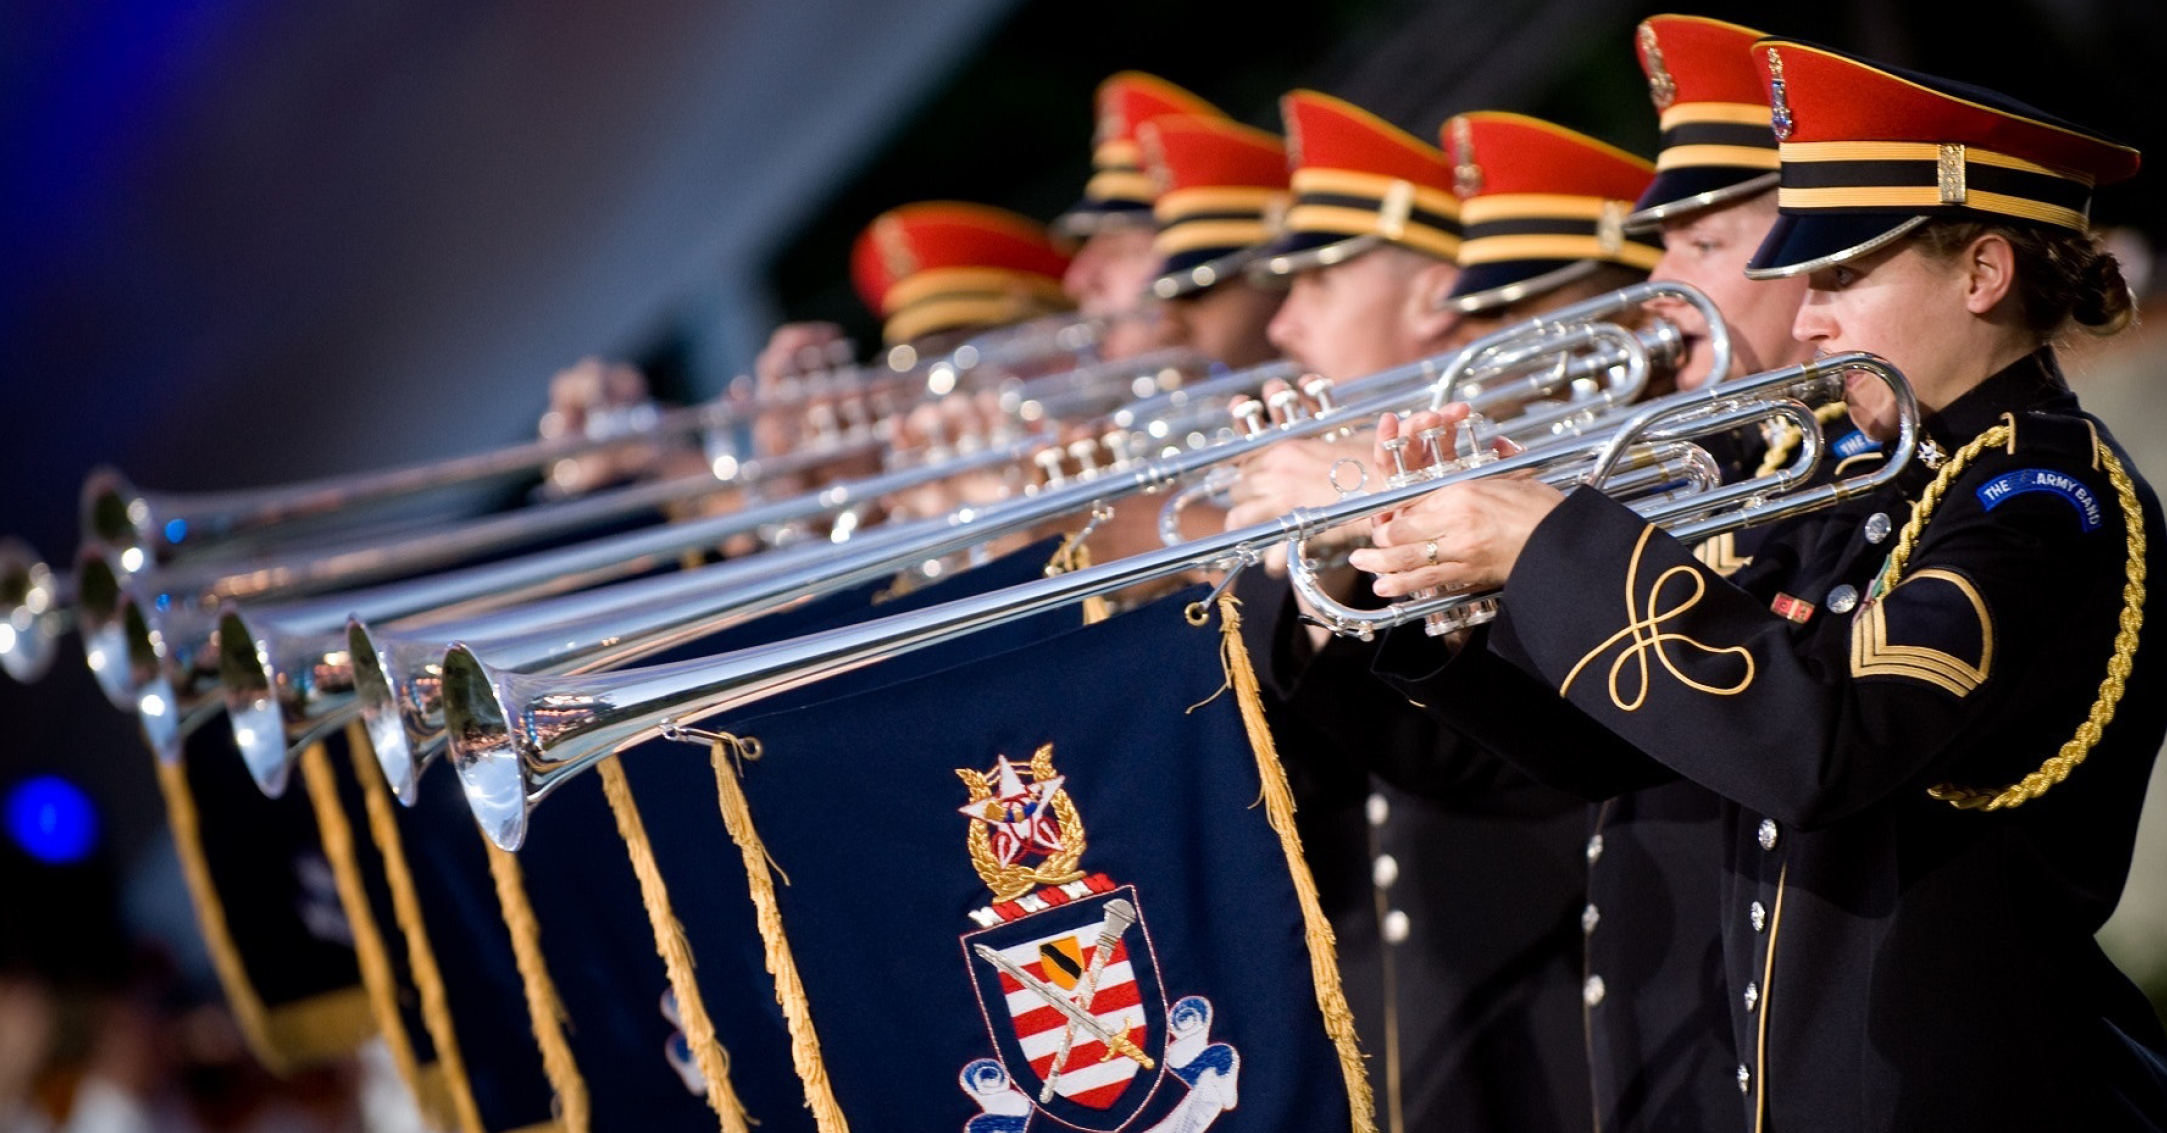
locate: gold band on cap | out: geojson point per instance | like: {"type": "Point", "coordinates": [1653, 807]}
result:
{"type": "Point", "coordinates": [1496, 249]}
{"type": "Point", "coordinates": [1694, 156]}
{"type": "Point", "coordinates": [1953, 183]}
{"type": "Point", "coordinates": [1120, 185]}
{"type": "Point", "coordinates": [1192, 235]}
{"type": "Point", "coordinates": [1806, 152]}
{"type": "Point", "coordinates": [1720, 113]}
{"type": "Point", "coordinates": [939, 281]}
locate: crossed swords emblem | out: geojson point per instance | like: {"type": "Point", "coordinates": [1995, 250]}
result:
{"type": "Point", "coordinates": [1119, 916]}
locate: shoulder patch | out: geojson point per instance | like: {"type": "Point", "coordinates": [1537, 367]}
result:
{"type": "Point", "coordinates": [2009, 485]}
{"type": "Point", "coordinates": [1853, 443]}
{"type": "Point", "coordinates": [1931, 627]}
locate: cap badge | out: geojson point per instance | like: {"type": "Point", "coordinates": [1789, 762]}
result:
{"type": "Point", "coordinates": [1393, 211]}
{"type": "Point", "coordinates": [1779, 106]}
{"type": "Point", "coordinates": [1661, 87]}
{"type": "Point", "coordinates": [893, 241]}
{"type": "Point", "coordinates": [1610, 227]}
{"type": "Point", "coordinates": [1949, 175]}
{"type": "Point", "coordinates": [1466, 175]}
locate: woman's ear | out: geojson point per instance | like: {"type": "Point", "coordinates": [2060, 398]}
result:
{"type": "Point", "coordinates": [1989, 268]}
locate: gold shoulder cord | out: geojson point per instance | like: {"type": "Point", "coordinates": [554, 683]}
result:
{"type": "Point", "coordinates": [2057, 767]}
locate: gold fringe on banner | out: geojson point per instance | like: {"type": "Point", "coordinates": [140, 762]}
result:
{"type": "Point", "coordinates": [1279, 809]}
{"type": "Point", "coordinates": [789, 989]}
{"type": "Point", "coordinates": [420, 957]}
{"type": "Point", "coordinates": [1073, 555]}
{"type": "Point", "coordinates": [283, 1038]}
{"type": "Point", "coordinates": [544, 1009]}
{"type": "Point", "coordinates": [337, 832]}
{"type": "Point", "coordinates": [676, 952]}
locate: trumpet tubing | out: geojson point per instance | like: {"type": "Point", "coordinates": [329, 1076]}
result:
{"type": "Point", "coordinates": [515, 736]}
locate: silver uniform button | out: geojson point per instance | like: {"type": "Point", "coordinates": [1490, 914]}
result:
{"type": "Point", "coordinates": [1380, 811]}
{"type": "Point", "coordinates": [1768, 833]}
{"type": "Point", "coordinates": [1589, 918]}
{"type": "Point", "coordinates": [1595, 848]}
{"type": "Point", "coordinates": [1843, 599]}
{"type": "Point", "coordinates": [1752, 997]}
{"type": "Point", "coordinates": [1745, 1079]}
{"type": "Point", "coordinates": [1877, 527]}
{"type": "Point", "coordinates": [1396, 927]}
{"type": "Point", "coordinates": [1592, 992]}
{"type": "Point", "coordinates": [1384, 871]}
{"type": "Point", "coordinates": [1758, 914]}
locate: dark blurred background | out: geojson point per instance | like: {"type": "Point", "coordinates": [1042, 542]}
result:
{"type": "Point", "coordinates": [249, 241]}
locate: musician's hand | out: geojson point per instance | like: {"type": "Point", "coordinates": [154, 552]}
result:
{"type": "Point", "coordinates": [583, 399]}
{"type": "Point", "coordinates": [1462, 537]}
{"type": "Point", "coordinates": [796, 349]}
{"type": "Point", "coordinates": [1287, 475]}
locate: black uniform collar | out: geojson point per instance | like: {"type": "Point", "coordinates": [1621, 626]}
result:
{"type": "Point", "coordinates": [2031, 382]}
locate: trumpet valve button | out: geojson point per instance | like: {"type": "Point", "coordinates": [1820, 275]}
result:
{"type": "Point", "coordinates": [1286, 406]}
{"type": "Point", "coordinates": [1318, 389]}
{"type": "Point", "coordinates": [1249, 414]}
{"type": "Point", "coordinates": [1433, 439]}
{"type": "Point", "coordinates": [1396, 448]}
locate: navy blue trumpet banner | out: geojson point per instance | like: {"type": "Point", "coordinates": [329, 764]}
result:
{"type": "Point", "coordinates": [267, 905]}
{"type": "Point", "coordinates": [726, 1036]}
{"type": "Point", "coordinates": [1055, 887]}
{"type": "Point", "coordinates": [339, 774]}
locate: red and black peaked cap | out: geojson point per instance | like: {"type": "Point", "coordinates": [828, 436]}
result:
{"type": "Point", "coordinates": [1871, 152]}
{"type": "Point", "coordinates": [1717, 145]}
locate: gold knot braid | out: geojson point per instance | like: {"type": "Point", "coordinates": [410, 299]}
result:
{"type": "Point", "coordinates": [2058, 766]}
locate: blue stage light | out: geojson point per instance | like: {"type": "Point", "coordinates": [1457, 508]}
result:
{"type": "Point", "coordinates": [52, 820]}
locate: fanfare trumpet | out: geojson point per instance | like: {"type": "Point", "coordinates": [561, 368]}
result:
{"type": "Point", "coordinates": [37, 608]}
{"type": "Point", "coordinates": [400, 683]}
{"type": "Point", "coordinates": [155, 526]}
{"type": "Point", "coordinates": [515, 737]}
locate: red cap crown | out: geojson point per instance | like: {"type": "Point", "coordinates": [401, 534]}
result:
{"type": "Point", "coordinates": [1692, 59]}
{"type": "Point", "coordinates": [938, 265]}
{"type": "Point", "coordinates": [1495, 153]}
{"type": "Point", "coordinates": [1329, 133]}
{"type": "Point", "coordinates": [1186, 151]}
{"type": "Point", "coordinates": [1131, 98]}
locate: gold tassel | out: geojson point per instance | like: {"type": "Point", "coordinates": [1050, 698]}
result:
{"type": "Point", "coordinates": [322, 782]}
{"type": "Point", "coordinates": [789, 989]}
{"type": "Point", "coordinates": [1073, 555]}
{"type": "Point", "coordinates": [420, 957]}
{"type": "Point", "coordinates": [675, 950]}
{"type": "Point", "coordinates": [544, 1009]}
{"type": "Point", "coordinates": [284, 1038]}
{"type": "Point", "coordinates": [1279, 809]}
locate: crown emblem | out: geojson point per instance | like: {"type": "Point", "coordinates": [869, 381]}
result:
{"type": "Point", "coordinates": [1779, 107]}
{"type": "Point", "coordinates": [893, 241]}
{"type": "Point", "coordinates": [1466, 175]}
{"type": "Point", "coordinates": [1661, 87]}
